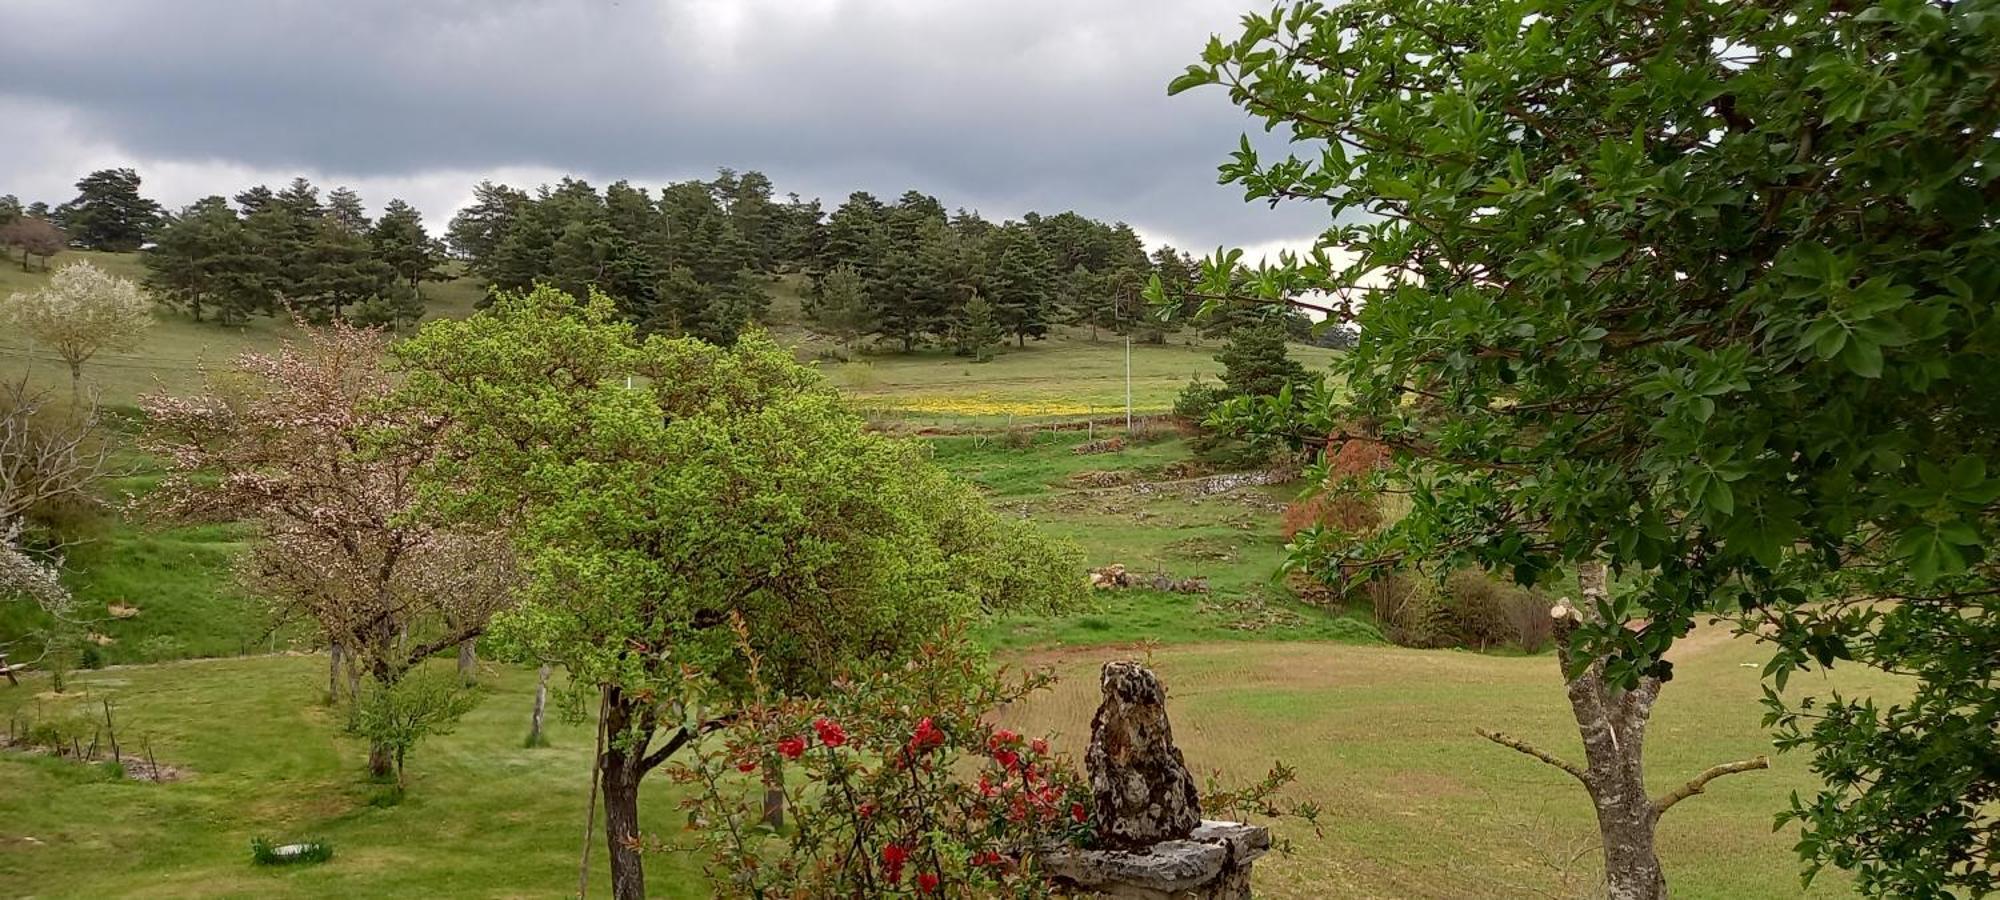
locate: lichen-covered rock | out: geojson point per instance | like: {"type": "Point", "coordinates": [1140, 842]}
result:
{"type": "Point", "coordinates": [1139, 783]}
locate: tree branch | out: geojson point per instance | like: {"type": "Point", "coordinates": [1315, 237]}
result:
{"type": "Point", "coordinates": [1536, 752]}
{"type": "Point", "coordinates": [1700, 782]}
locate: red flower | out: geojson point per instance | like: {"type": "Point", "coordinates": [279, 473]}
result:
{"type": "Point", "coordinates": [830, 732]}
{"type": "Point", "coordinates": [986, 788]}
{"type": "Point", "coordinates": [1077, 812]}
{"type": "Point", "coordinates": [893, 857]}
{"type": "Point", "coordinates": [1002, 738]}
{"type": "Point", "coordinates": [792, 747]}
{"type": "Point", "coordinates": [866, 809]}
{"type": "Point", "coordinates": [1040, 746]}
{"type": "Point", "coordinates": [1007, 759]}
{"type": "Point", "coordinates": [748, 765]}
{"type": "Point", "coordinates": [927, 736]}
{"type": "Point", "coordinates": [927, 882]}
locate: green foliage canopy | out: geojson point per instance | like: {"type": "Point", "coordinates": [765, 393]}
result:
{"type": "Point", "coordinates": [1705, 291]}
{"type": "Point", "coordinates": [660, 488]}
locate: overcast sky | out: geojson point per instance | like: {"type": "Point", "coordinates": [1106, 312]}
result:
{"type": "Point", "coordinates": [998, 106]}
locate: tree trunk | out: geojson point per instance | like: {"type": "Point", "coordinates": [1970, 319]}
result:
{"type": "Point", "coordinates": [622, 770]}
{"type": "Point", "coordinates": [774, 792]}
{"type": "Point", "coordinates": [535, 738]}
{"type": "Point", "coordinates": [468, 660]}
{"type": "Point", "coordinates": [76, 382]}
{"type": "Point", "coordinates": [332, 673]}
{"type": "Point", "coordinates": [381, 760]}
{"type": "Point", "coordinates": [1612, 723]}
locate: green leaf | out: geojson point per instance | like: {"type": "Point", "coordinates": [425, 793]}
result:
{"type": "Point", "coordinates": [1194, 77]}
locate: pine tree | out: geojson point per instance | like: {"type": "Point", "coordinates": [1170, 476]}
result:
{"type": "Point", "coordinates": [1255, 362]}
{"type": "Point", "coordinates": [981, 333]}
{"type": "Point", "coordinates": [399, 239]}
{"type": "Point", "coordinates": [843, 309]}
{"type": "Point", "coordinates": [1018, 285]}
{"type": "Point", "coordinates": [108, 212]}
{"type": "Point", "coordinates": [344, 207]}
{"type": "Point", "coordinates": [477, 230]}
{"type": "Point", "coordinates": [343, 271]}
{"type": "Point", "coordinates": [191, 251]}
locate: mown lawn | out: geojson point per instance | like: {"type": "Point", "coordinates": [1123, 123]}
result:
{"type": "Point", "coordinates": [1415, 804]}
{"type": "Point", "coordinates": [483, 817]}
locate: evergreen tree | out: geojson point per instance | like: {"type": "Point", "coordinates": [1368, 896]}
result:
{"type": "Point", "coordinates": [10, 209]}
{"type": "Point", "coordinates": [399, 239]}
{"type": "Point", "coordinates": [477, 230]}
{"type": "Point", "coordinates": [108, 212]}
{"type": "Point", "coordinates": [981, 332]}
{"type": "Point", "coordinates": [855, 236]}
{"type": "Point", "coordinates": [1018, 284]}
{"type": "Point", "coordinates": [896, 295]}
{"type": "Point", "coordinates": [843, 309]}
{"type": "Point", "coordinates": [342, 271]}
{"type": "Point", "coordinates": [802, 234]}
{"type": "Point", "coordinates": [344, 206]}
{"type": "Point", "coordinates": [255, 200]}
{"type": "Point", "coordinates": [187, 266]}
{"type": "Point", "coordinates": [1255, 362]}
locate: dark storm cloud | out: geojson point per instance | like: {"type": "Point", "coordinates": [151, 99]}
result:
{"type": "Point", "coordinates": [1001, 106]}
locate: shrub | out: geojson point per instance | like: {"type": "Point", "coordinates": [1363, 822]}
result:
{"type": "Point", "coordinates": [904, 783]}
{"type": "Point", "coordinates": [1407, 610]}
{"type": "Point", "coordinates": [398, 716]}
{"type": "Point", "coordinates": [1483, 612]}
{"type": "Point", "coordinates": [1198, 399]}
{"type": "Point", "coordinates": [1350, 512]}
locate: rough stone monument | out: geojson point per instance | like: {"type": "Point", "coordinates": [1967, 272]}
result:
{"type": "Point", "coordinates": [1154, 843]}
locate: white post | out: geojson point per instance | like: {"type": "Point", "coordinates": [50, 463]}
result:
{"type": "Point", "coordinates": [1128, 384]}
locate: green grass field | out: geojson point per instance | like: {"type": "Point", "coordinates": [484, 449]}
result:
{"type": "Point", "coordinates": [1416, 804]}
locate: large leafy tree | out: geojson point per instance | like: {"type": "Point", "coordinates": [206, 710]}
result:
{"type": "Point", "coordinates": [31, 236]}
{"type": "Point", "coordinates": [109, 213]}
{"type": "Point", "coordinates": [1703, 292]}
{"type": "Point", "coordinates": [676, 502]}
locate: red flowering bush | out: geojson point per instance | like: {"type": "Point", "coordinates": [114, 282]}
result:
{"type": "Point", "coordinates": [898, 786]}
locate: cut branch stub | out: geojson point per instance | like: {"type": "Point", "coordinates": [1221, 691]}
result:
{"type": "Point", "coordinates": [1139, 782]}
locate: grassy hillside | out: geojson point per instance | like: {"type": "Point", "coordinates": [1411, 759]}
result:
{"type": "Point", "coordinates": [174, 351]}
{"type": "Point", "coordinates": [1416, 805]}
{"type": "Point", "coordinates": [1066, 375]}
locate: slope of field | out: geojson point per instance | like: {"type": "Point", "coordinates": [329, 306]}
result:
{"type": "Point", "coordinates": [1416, 805]}
{"type": "Point", "coordinates": [1066, 375]}
{"type": "Point", "coordinates": [173, 353]}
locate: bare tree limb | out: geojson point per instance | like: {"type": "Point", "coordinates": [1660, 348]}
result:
{"type": "Point", "coordinates": [1700, 782]}
{"type": "Point", "coordinates": [1536, 752]}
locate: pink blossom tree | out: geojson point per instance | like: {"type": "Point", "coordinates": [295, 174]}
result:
{"type": "Point", "coordinates": [297, 442]}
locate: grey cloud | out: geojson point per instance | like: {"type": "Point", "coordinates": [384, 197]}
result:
{"type": "Point", "coordinates": [1000, 106]}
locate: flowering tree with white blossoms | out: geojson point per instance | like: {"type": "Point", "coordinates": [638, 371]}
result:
{"type": "Point", "coordinates": [82, 310]}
